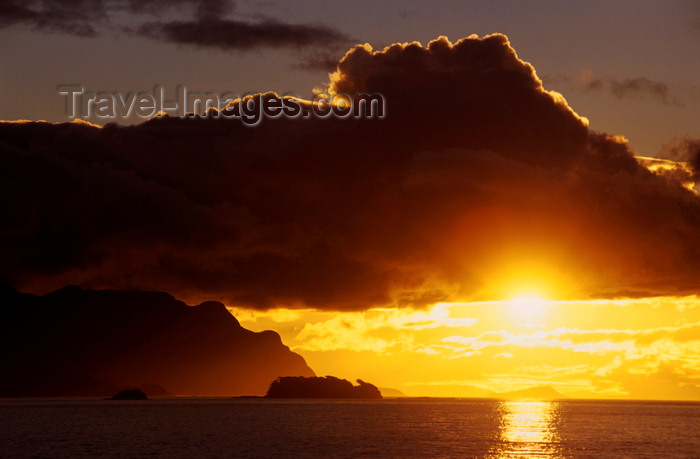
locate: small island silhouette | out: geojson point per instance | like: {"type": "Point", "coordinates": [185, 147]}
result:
{"type": "Point", "coordinates": [129, 394]}
{"type": "Point", "coordinates": [317, 387]}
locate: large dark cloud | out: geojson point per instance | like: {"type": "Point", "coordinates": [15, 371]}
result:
{"type": "Point", "coordinates": [201, 23]}
{"type": "Point", "coordinates": [475, 175]}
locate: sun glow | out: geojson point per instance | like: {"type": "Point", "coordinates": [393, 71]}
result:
{"type": "Point", "coordinates": [527, 308]}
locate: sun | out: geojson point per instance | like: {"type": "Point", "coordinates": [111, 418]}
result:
{"type": "Point", "coordinates": [527, 308]}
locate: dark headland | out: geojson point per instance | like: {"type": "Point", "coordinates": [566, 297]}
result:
{"type": "Point", "coordinates": [94, 343]}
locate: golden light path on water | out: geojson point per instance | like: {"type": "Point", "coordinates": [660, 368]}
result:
{"type": "Point", "coordinates": [529, 429]}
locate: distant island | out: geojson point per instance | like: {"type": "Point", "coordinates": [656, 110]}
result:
{"type": "Point", "coordinates": [129, 394]}
{"type": "Point", "coordinates": [318, 387]}
{"type": "Point", "coordinates": [390, 392]}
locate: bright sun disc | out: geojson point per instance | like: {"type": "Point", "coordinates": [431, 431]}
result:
{"type": "Point", "coordinates": [527, 308]}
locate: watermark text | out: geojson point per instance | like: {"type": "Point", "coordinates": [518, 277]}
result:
{"type": "Point", "coordinates": [250, 109]}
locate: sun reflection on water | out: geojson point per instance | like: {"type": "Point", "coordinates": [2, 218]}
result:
{"type": "Point", "coordinates": [529, 429]}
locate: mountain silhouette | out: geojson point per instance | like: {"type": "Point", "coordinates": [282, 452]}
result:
{"type": "Point", "coordinates": [78, 342]}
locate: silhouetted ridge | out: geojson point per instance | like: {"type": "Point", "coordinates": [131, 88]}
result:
{"type": "Point", "coordinates": [76, 342]}
{"type": "Point", "coordinates": [316, 387]}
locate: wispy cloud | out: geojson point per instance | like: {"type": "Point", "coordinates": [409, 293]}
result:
{"type": "Point", "coordinates": [200, 23]}
{"type": "Point", "coordinates": [640, 86]}
{"type": "Point", "coordinates": [73, 17]}
{"type": "Point", "coordinates": [231, 34]}
{"type": "Point", "coordinates": [622, 88]}
{"type": "Point", "coordinates": [685, 150]}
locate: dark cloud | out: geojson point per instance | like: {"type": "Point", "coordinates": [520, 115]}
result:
{"type": "Point", "coordinates": [240, 35]}
{"type": "Point", "coordinates": [477, 176]}
{"type": "Point", "coordinates": [74, 17]}
{"type": "Point", "coordinates": [207, 24]}
{"type": "Point", "coordinates": [211, 28]}
{"type": "Point", "coordinates": [199, 8]}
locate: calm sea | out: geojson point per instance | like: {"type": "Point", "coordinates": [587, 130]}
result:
{"type": "Point", "coordinates": [335, 428]}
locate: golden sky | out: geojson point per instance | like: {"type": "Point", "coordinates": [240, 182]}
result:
{"type": "Point", "coordinates": [644, 348]}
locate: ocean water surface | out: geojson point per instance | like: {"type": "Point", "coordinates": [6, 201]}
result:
{"type": "Point", "coordinates": [345, 428]}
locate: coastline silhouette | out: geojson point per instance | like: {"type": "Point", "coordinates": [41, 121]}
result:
{"type": "Point", "coordinates": [80, 342]}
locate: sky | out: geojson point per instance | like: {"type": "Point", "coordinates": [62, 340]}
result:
{"type": "Point", "coordinates": [526, 212]}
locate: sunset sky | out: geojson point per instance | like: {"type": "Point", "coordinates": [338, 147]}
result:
{"type": "Point", "coordinates": [526, 214]}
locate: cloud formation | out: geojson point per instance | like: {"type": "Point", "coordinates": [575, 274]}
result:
{"type": "Point", "coordinates": [685, 150]}
{"type": "Point", "coordinates": [74, 17]}
{"type": "Point", "coordinates": [632, 87]}
{"type": "Point", "coordinates": [207, 24]}
{"type": "Point", "coordinates": [477, 180]}
{"type": "Point", "coordinates": [625, 88]}
{"type": "Point", "coordinates": [240, 35]}
{"type": "Point", "coordinates": [210, 28]}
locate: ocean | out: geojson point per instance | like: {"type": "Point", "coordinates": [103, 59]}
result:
{"type": "Point", "coordinates": [174, 428]}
